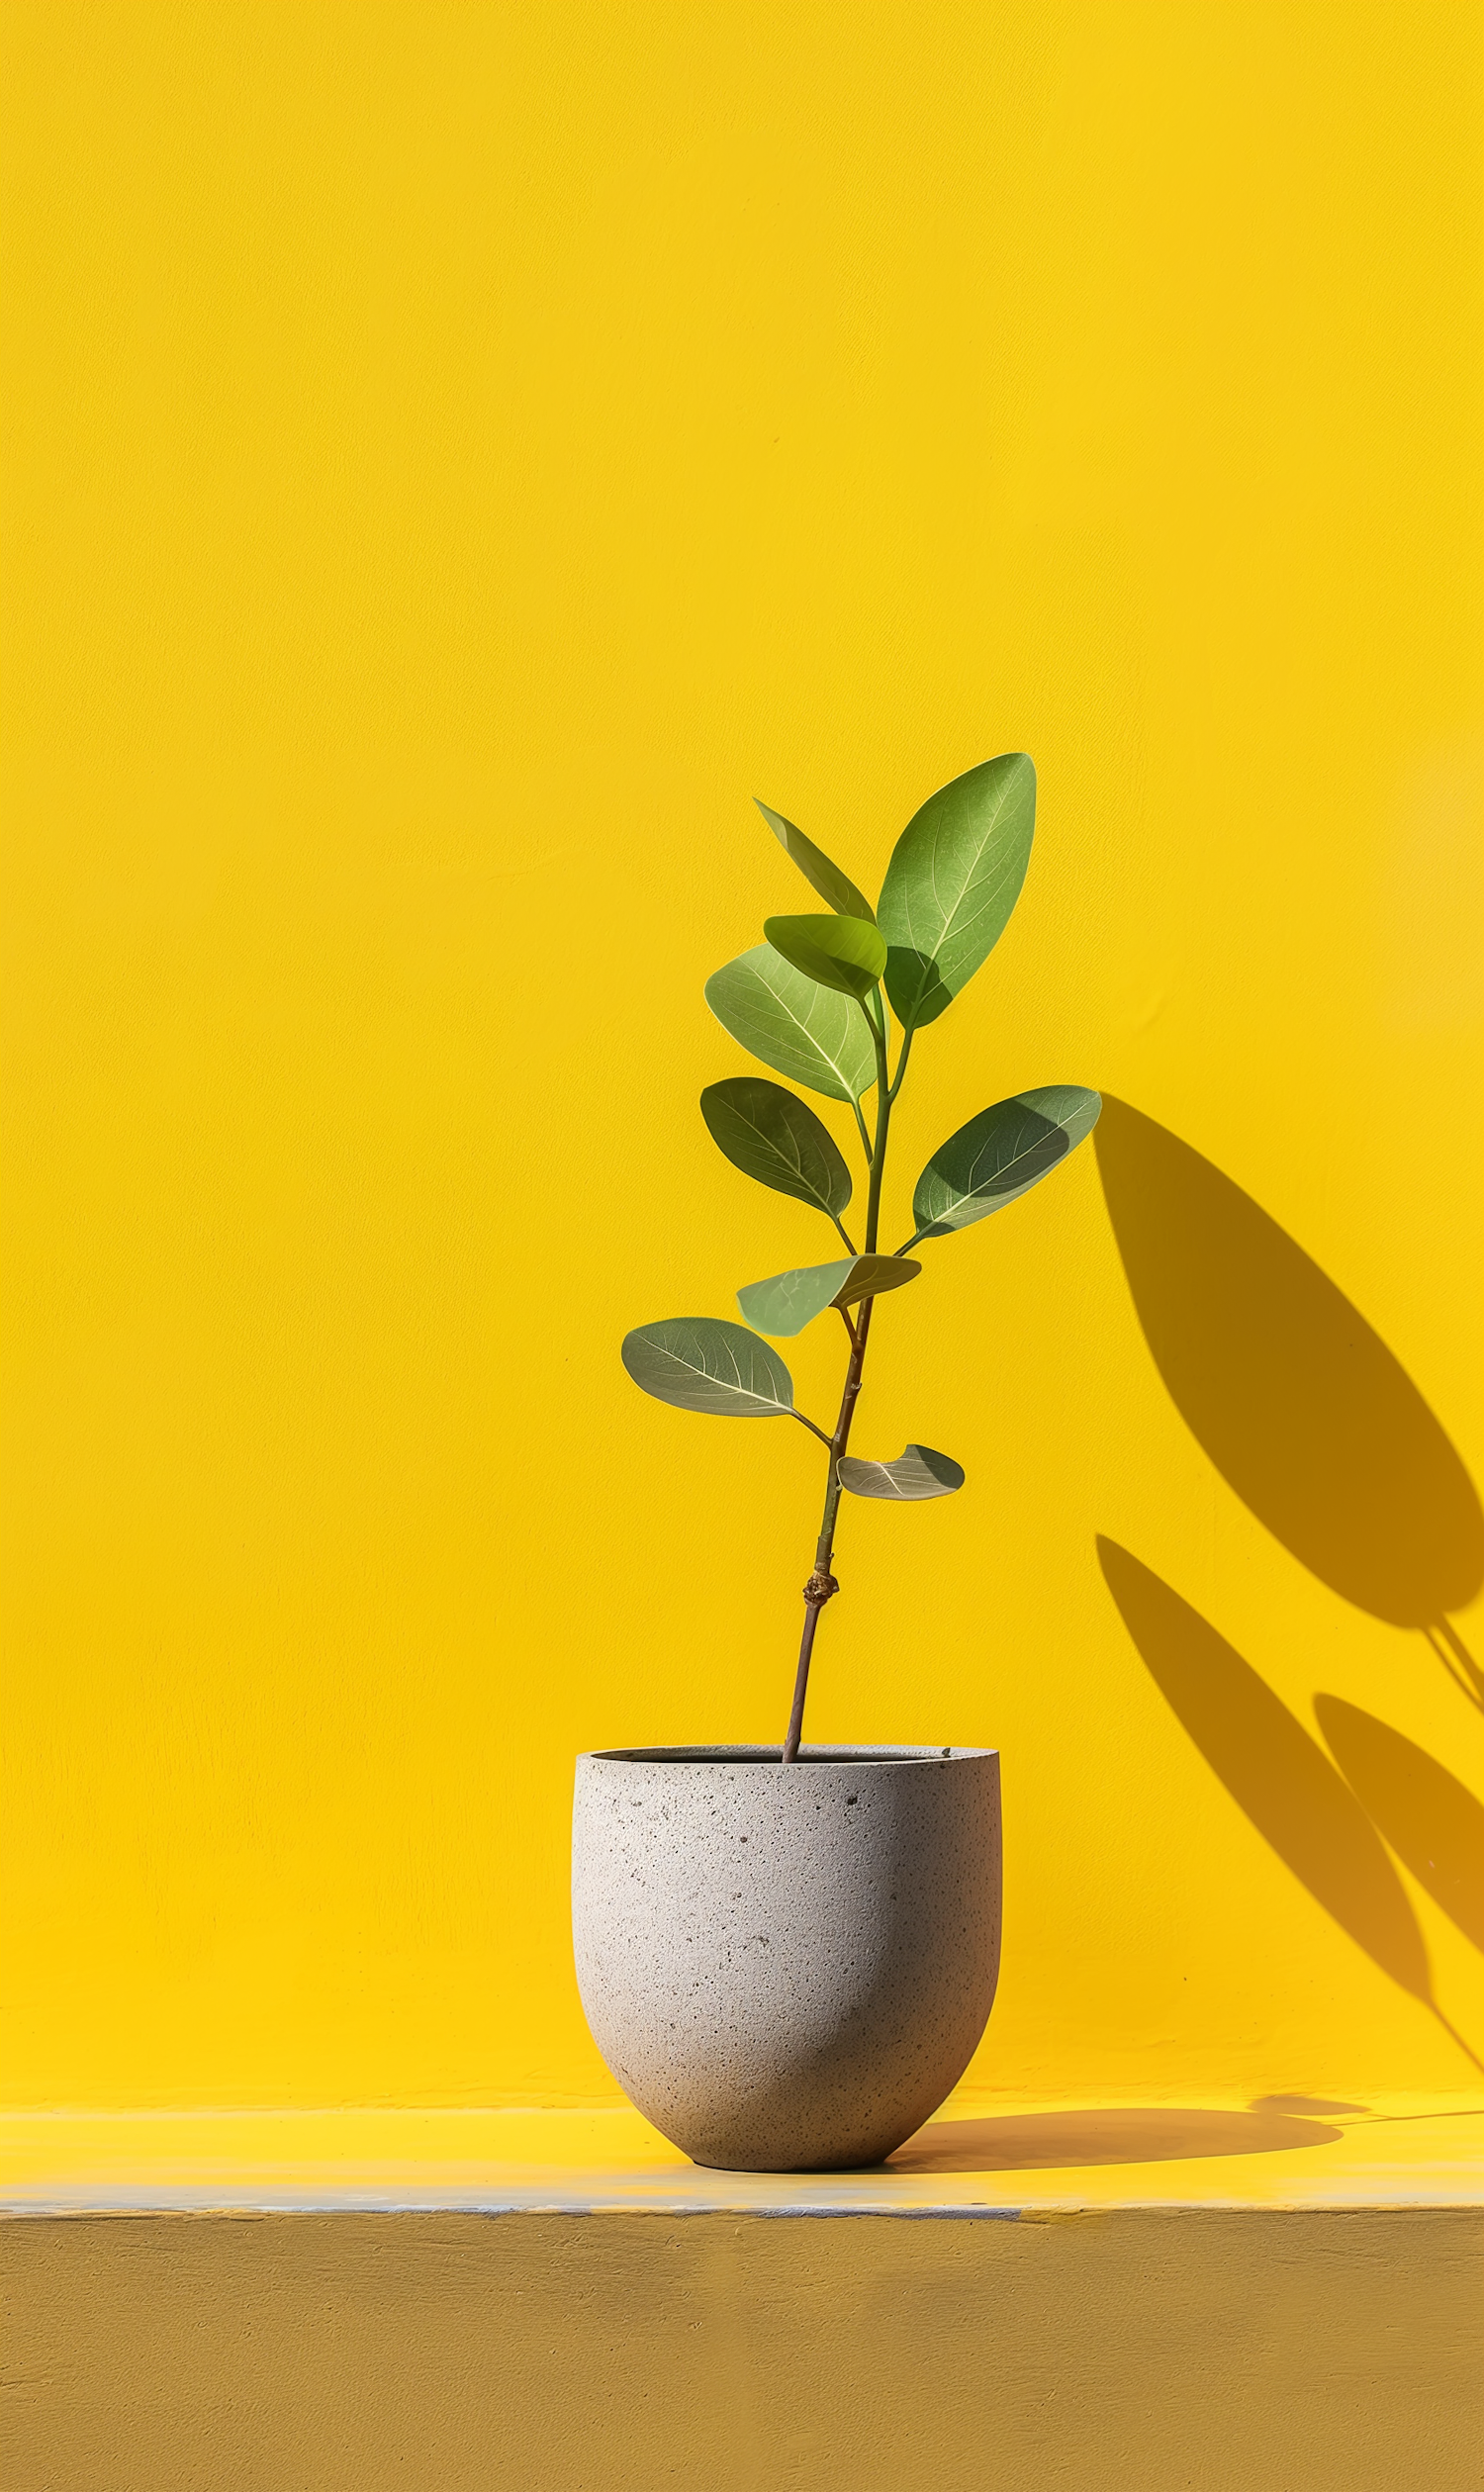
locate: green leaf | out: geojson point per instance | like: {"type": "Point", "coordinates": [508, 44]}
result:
{"type": "Point", "coordinates": [788, 1301]}
{"type": "Point", "coordinates": [812, 862]}
{"type": "Point", "coordinates": [915, 1474]}
{"type": "Point", "coordinates": [874, 1276]}
{"type": "Point", "coordinates": [955, 877]}
{"type": "Point", "coordinates": [998, 1155]}
{"type": "Point", "coordinates": [804, 1030]}
{"type": "Point", "coordinates": [845, 952]}
{"type": "Point", "coordinates": [770, 1135]}
{"type": "Point", "coordinates": [701, 1364]}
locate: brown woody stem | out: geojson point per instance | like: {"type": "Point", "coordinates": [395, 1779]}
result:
{"type": "Point", "coordinates": [821, 1586]}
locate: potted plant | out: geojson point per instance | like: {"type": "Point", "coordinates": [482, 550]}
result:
{"type": "Point", "coordinates": [787, 1954]}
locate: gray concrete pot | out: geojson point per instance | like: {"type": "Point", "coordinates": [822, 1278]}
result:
{"type": "Point", "coordinates": [786, 1967]}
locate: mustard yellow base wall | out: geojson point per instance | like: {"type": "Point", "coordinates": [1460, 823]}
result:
{"type": "Point", "coordinates": [1132, 2352]}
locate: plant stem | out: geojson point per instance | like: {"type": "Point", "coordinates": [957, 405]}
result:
{"type": "Point", "coordinates": [814, 1431]}
{"type": "Point", "coordinates": [901, 1063]}
{"type": "Point", "coordinates": [821, 1586]}
{"type": "Point", "coordinates": [883, 1098]}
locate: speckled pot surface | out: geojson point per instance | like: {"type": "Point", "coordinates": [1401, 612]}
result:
{"type": "Point", "coordinates": [786, 1967]}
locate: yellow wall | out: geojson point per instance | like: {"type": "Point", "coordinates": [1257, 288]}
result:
{"type": "Point", "coordinates": [457, 454]}
{"type": "Point", "coordinates": [361, 2353]}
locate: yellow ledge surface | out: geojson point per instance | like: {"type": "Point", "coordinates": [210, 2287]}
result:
{"type": "Point", "coordinates": [979, 2155]}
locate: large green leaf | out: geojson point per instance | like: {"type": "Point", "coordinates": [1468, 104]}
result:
{"type": "Point", "coordinates": [954, 876]}
{"type": "Point", "coordinates": [998, 1155]}
{"type": "Point", "coordinates": [915, 1474]}
{"type": "Point", "coordinates": [806, 1031]}
{"type": "Point", "coordinates": [770, 1135]}
{"type": "Point", "coordinates": [788, 1301]}
{"type": "Point", "coordinates": [812, 862]}
{"type": "Point", "coordinates": [701, 1364]}
{"type": "Point", "coordinates": [845, 952]}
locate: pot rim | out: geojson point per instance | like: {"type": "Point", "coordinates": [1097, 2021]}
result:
{"type": "Point", "coordinates": [772, 1757]}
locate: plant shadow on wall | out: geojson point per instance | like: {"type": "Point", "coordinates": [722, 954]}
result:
{"type": "Point", "coordinates": [1323, 1435]}
{"type": "Point", "coordinates": [1301, 1407]}
{"type": "Point", "coordinates": [1282, 1779]}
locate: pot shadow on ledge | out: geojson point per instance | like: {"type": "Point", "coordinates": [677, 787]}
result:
{"type": "Point", "coordinates": [1292, 1394]}
{"type": "Point", "coordinates": [1290, 1790]}
{"type": "Point", "coordinates": [1055, 2140]}
{"type": "Point", "coordinates": [1311, 2103]}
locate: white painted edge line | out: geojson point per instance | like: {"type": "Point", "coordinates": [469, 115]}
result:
{"type": "Point", "coordinates": [1457, 2191]}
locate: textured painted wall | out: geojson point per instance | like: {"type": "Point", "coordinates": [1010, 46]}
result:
{"type": "Point", "coordinates": [457, 455]}
{"type": "Point", "coordinates": [1243, 2351]}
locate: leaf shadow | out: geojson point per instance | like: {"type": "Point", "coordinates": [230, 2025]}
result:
{"type": "Point", "coordinates": [916, 975]}
{"type": "Point", "coordinates": [1297, 1401]}
{"type": "Point", "coordinates": [1432, 1820]}
{"type": "Point", "coordinates": [1278, 1776]}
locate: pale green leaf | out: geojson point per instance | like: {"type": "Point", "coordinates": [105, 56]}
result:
{"type": "Point", "coordinates": [955, 877]}
{"type": "Point", "coordinates": [914, 1475]}
{"type": "Point", "coordinates": [998, 1155]}
{"type": "Point", "coordinates": [805, 1031]}
{"type": "Point", "coordinates": [788, 1301]}
{"type": "Point", "coordinates": [701, 1364]}
{"type": "Point", "coordinates": [816, 868]}
{"type": "Point", "coordinates": [845, 952]}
